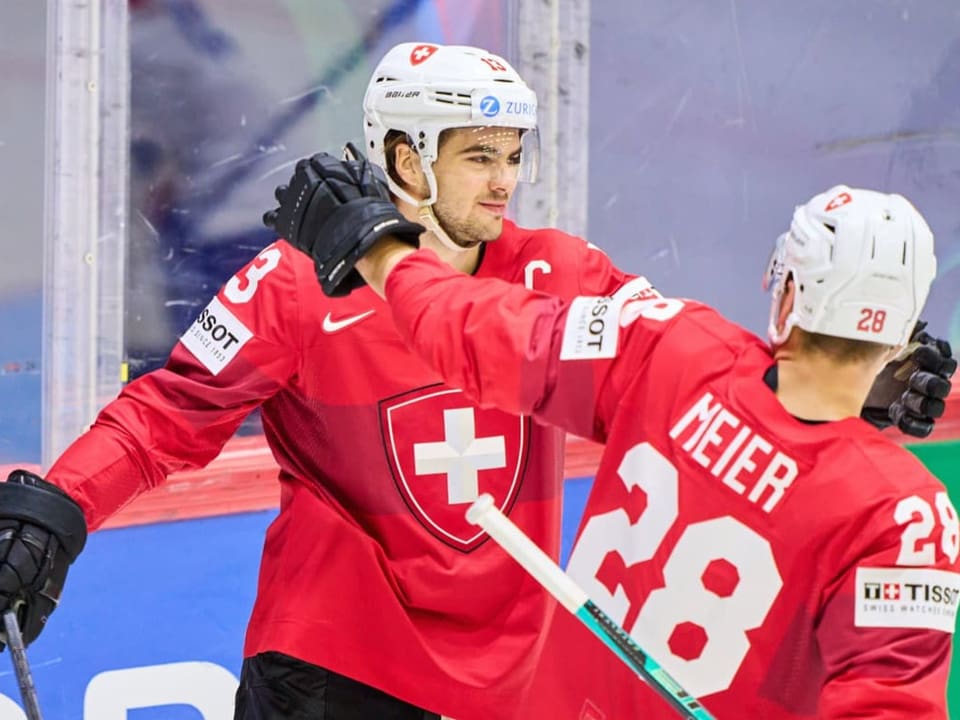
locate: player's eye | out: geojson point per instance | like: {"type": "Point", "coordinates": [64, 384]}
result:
{"type": "Point", "coordinates": [515, 158]}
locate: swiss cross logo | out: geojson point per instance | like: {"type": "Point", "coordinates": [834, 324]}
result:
{"type": "Point", "coordinates": [421, 53]}
{"type": "Point", "coordinates": [444, 453]}
{"type": "Point", "coordinates": [891, 591]}
{"type": "Point", "coordinates": [838, 202]}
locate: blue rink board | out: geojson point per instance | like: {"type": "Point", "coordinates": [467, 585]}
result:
{"type": "Point", "coordinates": [160, 594]}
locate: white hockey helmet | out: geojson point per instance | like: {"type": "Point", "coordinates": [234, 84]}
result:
{"type": "Point", "coordinates": [422, 89]}
{"type": "Point", "coordinates": [862, 263]}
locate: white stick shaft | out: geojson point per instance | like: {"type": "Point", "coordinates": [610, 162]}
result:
{"type": "Point", "coordinates": [484, 513]}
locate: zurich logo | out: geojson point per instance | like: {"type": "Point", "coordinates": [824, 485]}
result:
{"type": "Point", "coordinates": [490, 106]}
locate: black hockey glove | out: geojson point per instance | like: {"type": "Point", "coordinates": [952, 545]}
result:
{"type": "Point", "coordinates": [910, 390]}
{"type": "Point", "coordinates": [42, 530]}
{"type": "Point", "coordinates": [335, 210]}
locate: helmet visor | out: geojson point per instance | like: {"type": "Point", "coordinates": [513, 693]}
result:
{"type": "Point", "coordinates": [506, 152]}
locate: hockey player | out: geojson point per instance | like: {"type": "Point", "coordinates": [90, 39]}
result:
{"type": "Point", "coordinates": [376, 598]}
{"type": "Point", "coordinates": [780, 557]}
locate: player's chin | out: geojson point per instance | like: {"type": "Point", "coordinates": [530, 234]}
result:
{"type": "Point", "coordinates": [492, 230]}
{"type": "Point", "coordinates": [479, 232]}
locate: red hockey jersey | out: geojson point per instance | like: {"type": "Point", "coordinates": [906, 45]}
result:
{"type": "Point", "coordinates": [778, 569]}
{"type": "Point", "coordinates": [370, 569]}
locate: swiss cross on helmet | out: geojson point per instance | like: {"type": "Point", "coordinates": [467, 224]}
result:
{"type": "Point", "coordinates": [862, 263]}
{"type": "Point", "coordinates": [422, 89]}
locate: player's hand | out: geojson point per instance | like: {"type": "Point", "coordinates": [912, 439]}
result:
{"type": "Point", "coordinates": [42, 530]}
{"type": "Point", "coordinates": [910, 390]}
{"type": "Point", "coordinates": [335, 210]}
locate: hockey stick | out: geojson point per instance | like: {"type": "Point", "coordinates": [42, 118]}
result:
{"type": "Point", "coordinates": [484, 513]}
{"type": "Point", "coordinates": [21, 667]}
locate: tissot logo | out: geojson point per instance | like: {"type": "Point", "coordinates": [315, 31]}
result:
{"type": "Point", "coordinates": [216, 336]}
{"type": "Point", "coordinates": [911, 592]}
{"type": "Point", "coordinates": [907, 597]}
{"type": "Point", "coordinates": [217, 331]}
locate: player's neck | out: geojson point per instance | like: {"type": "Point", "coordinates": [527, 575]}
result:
{"type": "Point", "coordinates": [811, 386]}
{"type": "Point", "coordinates": [463, 260]}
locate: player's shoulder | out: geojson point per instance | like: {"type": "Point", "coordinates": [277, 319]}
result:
{"type": "Point", "coordinates": [892, 468]}
{"type": "Point", "coordinates": [278, 271]}
{"type": "Point", "coordinates": [857, 474]}
{"type": "Point", "coordinates": [688, 328]}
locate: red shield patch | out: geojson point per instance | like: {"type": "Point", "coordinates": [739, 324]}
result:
{"type": "Point", "coordinates": [444, 453]}
{"type": "Point", "coordinates": [839, 201]}
{"type": "Point", "coordinates": [421, 53]}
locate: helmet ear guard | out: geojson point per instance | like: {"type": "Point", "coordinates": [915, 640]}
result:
{"type": "Point", "coordinates": [862, 263]}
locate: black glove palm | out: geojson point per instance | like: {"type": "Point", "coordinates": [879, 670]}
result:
{"type": "Point", "coordinates": [42, 531]}
{"type": "Point", "coordinates": [335, 210]}
{"type": "Point", "coordinates": [910, 390]}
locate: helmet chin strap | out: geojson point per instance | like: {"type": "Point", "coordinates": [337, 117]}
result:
{"type": "Point", "coordinates": [425, 213]}
{"type": "Point", "coordinates": [428, 218]}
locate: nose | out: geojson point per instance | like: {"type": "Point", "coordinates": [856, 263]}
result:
{"type": "Point", "coordinates": [503, 177]}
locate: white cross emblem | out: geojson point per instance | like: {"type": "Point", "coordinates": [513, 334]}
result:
{"type": "Point", "coordinates": [422, 53]}
{"type": "Point", "coordinates": [460, 455]}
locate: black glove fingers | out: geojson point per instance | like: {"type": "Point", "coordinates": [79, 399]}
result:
{"type": "Point", "coordinates": [924, 338]}
{"type": "Point", "coordinates": [353, 173]}
{"type": "Point", "coordinates": [27, 559]}
{"type": "Point", "coordinates": [321, 170]}
{"type": "Point", "coordinates": [915, 427]}
{"type": "Point", "coordinates": [948, 366]}
{"type": "Point", "coordinates": [11, 582]}
{"type": "Point", "coordinates": [326, 167]}
{"type": "Point", "coordinates": [364, 178]}
{"type": "Point", "coordinates": [930, 384]}
{"type": "Point", "coordinates": [923, 406]}
{"type": "Point", "coordinates": [927, 357]}
{"type": "Point", "coordinates": [351, 152]}
{"type": "Point", "coordinates": [336, 186]}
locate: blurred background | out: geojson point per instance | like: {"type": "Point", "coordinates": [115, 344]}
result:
{"type": "Point", "coordinates": [677, 136]}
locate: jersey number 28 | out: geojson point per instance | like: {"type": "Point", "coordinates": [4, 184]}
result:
{"type": "Point", "coordinates": [721, 617]}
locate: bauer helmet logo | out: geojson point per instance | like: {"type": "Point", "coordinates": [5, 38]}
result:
{"type": "Point", "coordinates": [421, 53]}
{"type": "Point", "coordinates": [490, 106]}
{"type": "Point", "coordinates": [838, 202]}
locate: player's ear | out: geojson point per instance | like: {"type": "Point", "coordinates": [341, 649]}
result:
{"type": "Point", "coordinates": [409, 170]}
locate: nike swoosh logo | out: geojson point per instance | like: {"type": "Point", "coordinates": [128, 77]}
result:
{"type": "Point", "coordinates": [331, 326]}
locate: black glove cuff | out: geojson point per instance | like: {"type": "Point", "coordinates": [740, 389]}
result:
{"type": "Point", "coordinates": [28, 497]}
